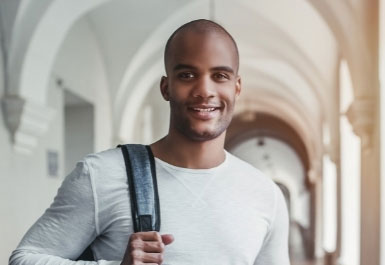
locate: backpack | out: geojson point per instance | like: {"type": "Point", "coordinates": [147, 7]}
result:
{"type": "Point", "coordinates": [142, 184]}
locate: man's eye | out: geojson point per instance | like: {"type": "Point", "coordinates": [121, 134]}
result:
{"type": "Point", "coordinates": [186, 75]}
{"type": "Point", "coordinates": [221, 76]}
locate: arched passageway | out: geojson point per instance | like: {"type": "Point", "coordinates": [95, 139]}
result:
{"type": "Point", "coordinates": [274, 147]}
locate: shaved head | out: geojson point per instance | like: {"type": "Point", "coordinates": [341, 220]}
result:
{"type": "Point", "coordinates": [201, 26]}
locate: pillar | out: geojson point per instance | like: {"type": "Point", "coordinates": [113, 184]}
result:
{"type": "Point", "coordinates": [363, 115]}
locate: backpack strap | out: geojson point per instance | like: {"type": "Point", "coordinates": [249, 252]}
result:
{"type": "Point", "coordinates": [141, 175]}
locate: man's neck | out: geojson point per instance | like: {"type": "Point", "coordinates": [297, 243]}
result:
{"type": "Point", "coordinates": [179, 151]}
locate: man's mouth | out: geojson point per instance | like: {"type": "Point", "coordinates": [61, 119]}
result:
{"type": "Point", "coordinates": [204, 112]}
{"type": "Point", "coordinates": [204, 109]}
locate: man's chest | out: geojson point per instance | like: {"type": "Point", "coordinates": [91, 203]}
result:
{"type": "Point", "coordinates": [212, 221]}
{"type": "Point", "coordinates": [216, 225]}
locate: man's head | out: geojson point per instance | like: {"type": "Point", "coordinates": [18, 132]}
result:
{"type": "Point", "coordinates": [202, 26]}
{"type": "Point", "coordinates": [202, 61]}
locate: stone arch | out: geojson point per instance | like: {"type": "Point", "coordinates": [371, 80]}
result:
{"type": "Point", "coordinates": [348, 30]}
{"type": "Point", "coordinates": [33, 51]}
{"type": "Point", "coordinates": [286, 107]}
{"type": "Point", "coordinates": [291, 52]}
{"type": "Point", "coordinates": [270, 125]}
{"type": "Point", "coordinates": [32, 66]}
{"type": "Point", "coordinates": [306, 99]}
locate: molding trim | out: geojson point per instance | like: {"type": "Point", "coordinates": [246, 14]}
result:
{"type": "Point", "coordinates": [361, 116]}
{"type": "Point", "coordinates": [26, 121]}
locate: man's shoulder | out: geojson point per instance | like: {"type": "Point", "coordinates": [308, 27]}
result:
{"type": "Point", "coordinates": [105, 157]}
{"type": "Point", "coordinates": [107, 164]}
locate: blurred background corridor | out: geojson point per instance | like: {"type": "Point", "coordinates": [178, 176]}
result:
{"type": "Point", "coordinates": [78, 77]}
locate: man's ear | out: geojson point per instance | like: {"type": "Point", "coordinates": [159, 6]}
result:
{"type": "Point", "coordinates": [238, 87]}
{"type": "Point", "coordinates": [164, 88]}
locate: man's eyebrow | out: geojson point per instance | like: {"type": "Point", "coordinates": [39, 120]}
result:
{"type": "Point", "coordinates": [217, 68]}
{"type": "Point", "coordinates": [184, 66]}
{"type": "Point", "coordinates": [223, 68]}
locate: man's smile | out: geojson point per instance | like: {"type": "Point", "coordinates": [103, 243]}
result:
{"type": "Point", "coordinates": [204, 112]}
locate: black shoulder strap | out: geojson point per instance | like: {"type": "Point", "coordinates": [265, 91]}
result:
{"type": "Point", "coordinates": [141, 174]}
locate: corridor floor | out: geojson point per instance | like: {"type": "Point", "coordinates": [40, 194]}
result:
{"type": "Point", "coordinates": [310, 262]}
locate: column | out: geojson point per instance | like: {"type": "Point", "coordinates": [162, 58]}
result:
{"type": "Point", "coordinates": [350, 168]}
{"type": "Point", "coordinates": [363, 115]}
{"type": "Point", "coordinates": [382, 122]}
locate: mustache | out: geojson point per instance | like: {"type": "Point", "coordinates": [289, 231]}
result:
{"type": "Point", "coordinates": [204, 102]}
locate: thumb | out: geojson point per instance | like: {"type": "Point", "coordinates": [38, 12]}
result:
{"type": "Point", "coordinates": [167, 239]}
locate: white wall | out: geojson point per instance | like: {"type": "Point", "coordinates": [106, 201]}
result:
{"type": "Point", "coordinates": [8, 12]}
{"type": "Point", "coordinates": [80, 64]}
{"type": "Point", "coordinates": [160, 116]}
{"type": "Point", "coordinates": [26, 190]}
{"type": "Point", "coordinates": [79, 133]}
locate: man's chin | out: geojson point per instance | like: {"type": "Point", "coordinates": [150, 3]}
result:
{"type": "Point", "coordinates": [203, 136]}
{"type": "Point", "coordinates": [200, 132]}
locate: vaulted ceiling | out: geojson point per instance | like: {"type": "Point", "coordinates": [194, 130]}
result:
{"type": "Point", "coordinates": [289, 54]}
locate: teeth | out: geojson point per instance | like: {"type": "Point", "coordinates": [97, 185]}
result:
{"type": "Point", "coordinates": [204, 110]}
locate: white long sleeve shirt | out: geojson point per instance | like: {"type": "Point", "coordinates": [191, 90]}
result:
{"type": "Point", "coordinates": [228, 215]}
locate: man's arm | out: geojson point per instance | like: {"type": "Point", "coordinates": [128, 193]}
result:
{"type": "Point", "coordinates": [67, 227]}
{"type": "Point", "coordinates": [275, 247]}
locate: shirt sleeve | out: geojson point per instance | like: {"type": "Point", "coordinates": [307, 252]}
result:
{"type": "Point", "coordinates": [275, 249]}
{"type": "Point", "coordinates": [66, 228]}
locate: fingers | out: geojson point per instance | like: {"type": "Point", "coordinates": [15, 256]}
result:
{"type": "Point", "coordinates": [146, 247]}
{"type": "Point", "coordinates": [167, 239]}
{"type": "Point", "coordinates": [147, 236]}
{"type": "Point", "coordinates": [140, 256]}
{"type": "Point", "coordinates": [156, 258]}
{"type": "Point", "coordinates": [150, 246]}
{"type": "Point", "coordinates": [153, 247]}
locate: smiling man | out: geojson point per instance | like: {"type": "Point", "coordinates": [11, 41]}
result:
{"type": "Point", "coordinates": [216, 209]}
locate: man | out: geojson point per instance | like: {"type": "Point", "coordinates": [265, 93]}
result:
{"type": "Point", "coordinates": [216, 209]}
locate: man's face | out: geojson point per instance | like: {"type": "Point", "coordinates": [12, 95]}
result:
{"type": "Point", "coordinates": [202, 84]}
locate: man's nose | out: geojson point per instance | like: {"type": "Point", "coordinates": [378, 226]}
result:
{"type": "Point", "coordinates": [204, 87]}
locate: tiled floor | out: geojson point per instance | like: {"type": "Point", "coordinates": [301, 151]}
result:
{"type": "Point", "coordinates": [312, 262]}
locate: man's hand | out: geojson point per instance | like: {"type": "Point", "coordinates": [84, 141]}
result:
{"type": "Point", "coordinates": [146, 248]}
